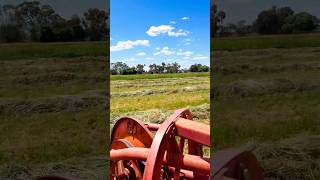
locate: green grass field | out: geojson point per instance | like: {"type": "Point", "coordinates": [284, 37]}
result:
{"type": "Point", "coordinates": [47, 50]}
{"type": "Point", "coordinates": [150, 94]}
{"type": "Point", "coordinates": [52, 110]}
{"type": "Point", "coordinates": [264, 42]}
{"type": "Point", "coordinates": [268, 98]}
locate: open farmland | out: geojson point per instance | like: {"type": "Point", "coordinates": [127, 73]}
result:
{"type": "Point", "coordinates": [154, 97]}
{"type": "Point", "coordinates": [52, 110]}
{"type": "Point", "coordinates": [267, 98]}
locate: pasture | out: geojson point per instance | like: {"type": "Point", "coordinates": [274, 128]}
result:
{"type": "Point", "coordinates": [52, 110]}
{"type": "Point", "coordinates": [267, 98]}
{"type": "Point", "coordinates": [153, 97]}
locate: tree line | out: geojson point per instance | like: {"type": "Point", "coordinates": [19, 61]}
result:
{"type": "Point", "coordinates": [275, 20]}
{"type": "Point", "coordinates": [36, 22]}
{"type": "Point", "coordinates": [121, 68]}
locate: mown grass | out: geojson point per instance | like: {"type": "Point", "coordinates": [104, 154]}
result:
{"type": "Point", "coordinates": [264, 42]}
{"type": "Point", "coordinates": [47, 50]}
{"type": "Point", "coordinates": [266, 95]}
{"type": "Point", "coordinates": [158, 76]}
{"type": "Point", "coordinates": [158, 101]}
{"type": "Point", "coordinates": [52, 109]}
{"type": "Point", "coordinates": [154, 97]}
{"type": "Point", "coordinates": [51, 137]}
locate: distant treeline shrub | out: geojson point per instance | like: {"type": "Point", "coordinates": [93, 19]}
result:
{"type": "Point", "coordinates": [33, 21]}
{"type": "Point", "coordinates": [271, 21]}
{"type": "Point", "coordinates": [120, 68]}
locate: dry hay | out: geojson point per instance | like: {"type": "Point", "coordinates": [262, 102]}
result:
{"type": "Point", "coordinates": [295, 158]}
{"type": "Point", "coordinates": [66, 103]}
{"type": "Point", "coordinates": [260, 87]}
{"type": "Point", "coordinates": [89, 168]}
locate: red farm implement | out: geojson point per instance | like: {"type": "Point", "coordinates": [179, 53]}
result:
{"type": "Point", "coordinates": [174, 150]}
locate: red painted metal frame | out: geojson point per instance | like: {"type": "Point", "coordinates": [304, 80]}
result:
{"type": "Point", "coordinates": [164, 156]}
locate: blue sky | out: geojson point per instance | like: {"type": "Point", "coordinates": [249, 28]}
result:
{"type": "Point", "coordinates": [149, 31]}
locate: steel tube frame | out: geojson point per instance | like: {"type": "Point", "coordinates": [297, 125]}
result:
{"type": "Point", "coordinates": [195, 131]}
{"type": "Point", "coordinates": [187, 162]}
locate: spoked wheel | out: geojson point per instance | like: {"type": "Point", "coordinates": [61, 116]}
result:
{"type": "Point", "coordinates": [165, 141]}
{"type": "Point", "coordinates": [129, 133]}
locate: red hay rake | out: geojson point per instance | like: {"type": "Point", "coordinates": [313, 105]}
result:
{"type": "Point", "coordinates": [173, 150]}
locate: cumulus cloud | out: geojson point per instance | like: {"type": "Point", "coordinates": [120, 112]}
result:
{"type": "Point", "coordinates": [165, 51]}
{"type": "Point", "coordinates": [185, 18]}
{"type": "Point", "coordinates": [165, 29]}
{"type": "Point", "coordinates": [200, 57]}
{"type": "Point", "coordinates": [141, 54]}
{"type": "Point", "coordinates": [172, 22]}
{"type": "Point", "coordinates": [124, 45]}
{"type": "Point", "coordinates": [125, 60]}
{"type": "Point", "coordinates": [180, 32]}
{"type": "Point", "coordinates": [184, 53]}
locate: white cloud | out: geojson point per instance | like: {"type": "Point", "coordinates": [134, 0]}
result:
{"type": "Point", "coordinates": [185, 18]}
{"type": "Point", "coordinates": [165, 29]}
{"type": "Point", "coordinates": [124, 45]}
{"type": "Point", "coordinates": [172, 22]}
{"type": "Point", "coordinates": [166, 51]}
{"type": "Point", "coordinates": [188, 40]}
{"type": "Point", "coordinates": [125, 60]}
{"type": "Point", "coordinates": [185, 53]}
{"type": "Point", "coordinates": [186, 57]}
{"type": "Point", "coordinates": [141, 54]}
{"type": "Point", "coordinates": [149, 58]}
{"type": "Point", "coordinates": [180, 32]}
{"type": "Point", "coordinates": [111, 38]}
{"type": "Point", "coordinates": [157, 48]}
{"type": "Point", "coordinates": [129, 59]}
{"type": "Point", "coordinates": [200, 57]}
{"type": "Point", "coordinates": [187, 43]}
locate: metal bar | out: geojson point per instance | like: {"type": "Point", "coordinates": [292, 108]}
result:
{"type": "Point", "coordinates": [135, 153]}
{"type": "Point", "coordinates": [152, 126]}
{"type": "Point", "coordinates": [188, 162]}
{"type": "Point", "coordinates": [195, 131]}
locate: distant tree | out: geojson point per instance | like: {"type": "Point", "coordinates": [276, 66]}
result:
{"type": "Point", "coordinates": [243, 29]}
{"type": "Point", "coordinates": [204, 68]}
{"type": "Point", "coordinates": [140, 68]}
{"type": "Point", "coordinates": [268, 22]}
{"type": "Point", "coordinates": [33, 21]}
{"type": "Point", "coordinates": [152, 68]}
{"type": "Point", "coordinates": [119, 68]}
{"type": "Point", "coordinates": [283, 13]}
{"type": "Point", "coordinates": [217, 18]}
{"type": "Point", "coordinates": [10, 33]}
{"type": "Point", "coordinates": [78, 32]}
{"type": "Point", "coordinates": [300, 22]}
{"type": "Point", "coordinates": [129, 71]}
{"type": "Point", "coordinates": [95, 22]}
{"type": "Point", "coordinates": [284, 20]}
{"type": "Point", "coordinates": [173, 68]}
{"type": "Point", "coordinates": [198, 68]}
